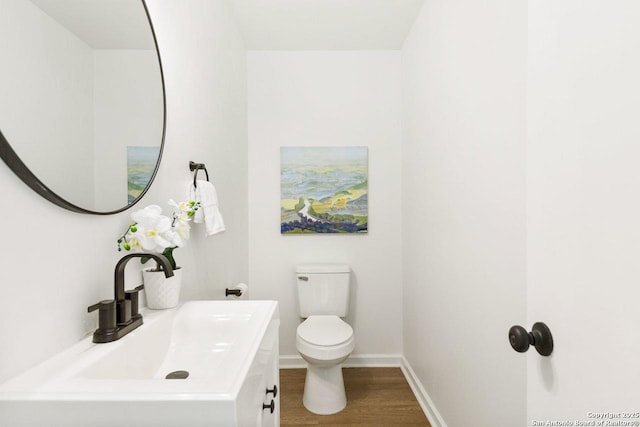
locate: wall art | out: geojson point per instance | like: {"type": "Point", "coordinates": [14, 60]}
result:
{"type": "Point", "coordinates": [324, 190]}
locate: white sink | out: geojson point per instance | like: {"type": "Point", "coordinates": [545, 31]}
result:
{"type": "Point", "coordinates": [225, 347]}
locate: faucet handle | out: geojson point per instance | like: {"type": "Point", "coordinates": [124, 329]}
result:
{"type": "Point", "coordinates": [133, 296]}
{"type": "Point", "coordinates": [106, 315]}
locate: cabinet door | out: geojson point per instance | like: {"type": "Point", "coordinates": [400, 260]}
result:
{"type": "Point", "coordinates": [272, 377]}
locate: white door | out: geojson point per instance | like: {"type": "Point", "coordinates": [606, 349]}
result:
{"type": "Point", "coordinates": [583, 210]}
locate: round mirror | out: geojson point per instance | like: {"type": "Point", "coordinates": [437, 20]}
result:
{"type": "Point", "coordinates": [82, 103]}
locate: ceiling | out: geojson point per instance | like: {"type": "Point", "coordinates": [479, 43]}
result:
{"type": "Point", "coordinates": [325, 24]}
{"type": "Point", "coordinates": [264, 24]}
{"type": "Point", "coordinates": [111, 24]}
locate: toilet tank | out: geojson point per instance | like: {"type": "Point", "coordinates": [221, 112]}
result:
{"type": "Point", "coordinates": [323, 289]}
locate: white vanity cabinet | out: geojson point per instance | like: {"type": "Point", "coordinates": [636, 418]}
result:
{"type": "Point", "coordinates": [258, 402]}
{"type": "Point", "coordinates": [228, 348]}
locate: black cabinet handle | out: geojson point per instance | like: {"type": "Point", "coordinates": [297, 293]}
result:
{"type": "Point", "coordinates": [274, 390]}
{"type": "Point", "coordinates": [540, 337]}
{"type": "Point", "coordinates": [271, 406]}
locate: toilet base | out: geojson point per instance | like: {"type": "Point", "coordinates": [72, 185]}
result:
{"type": "Point", "coordinates": [324, 389]}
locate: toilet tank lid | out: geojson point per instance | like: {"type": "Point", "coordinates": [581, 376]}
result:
{"type": "Point", "coordinates": [322, 268]}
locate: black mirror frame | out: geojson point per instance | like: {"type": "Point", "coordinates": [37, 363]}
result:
{"type": "Point", "coordinates": [11, 158]}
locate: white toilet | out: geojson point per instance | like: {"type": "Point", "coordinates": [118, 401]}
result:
{"type": "Point", "coordinates": [324, 340]}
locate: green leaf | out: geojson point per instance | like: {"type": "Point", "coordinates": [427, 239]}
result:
{"type": "Point", "coordinates": [168, 253]}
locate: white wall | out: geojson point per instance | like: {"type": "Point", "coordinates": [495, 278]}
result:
{"type": "Point", "coordinates": [464, 205]}
{"type": "Point", "coordinates": [56, 263]}
{"type": "Point", "coordinates": [583, 212]}
{"type": "Point", "coordinates": [205, 66]}
{"type": "Point", "coordinates": [321, 98]}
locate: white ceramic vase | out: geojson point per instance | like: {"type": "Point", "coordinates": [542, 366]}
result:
{"type": "Point", "coordinates": [162, 292]}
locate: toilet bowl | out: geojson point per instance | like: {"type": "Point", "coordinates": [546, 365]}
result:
{"type": "Point", "coordinates": [324, 341]}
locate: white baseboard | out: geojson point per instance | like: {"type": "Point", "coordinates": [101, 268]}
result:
{"type": "Point", "coordinates": [354, 361]}
{"type": "Point", "coordinates": [382, 361]}
{"type": "Point", "coordinates": [292, 362]}
{"type": "Point", "coordinates": [421, 394]}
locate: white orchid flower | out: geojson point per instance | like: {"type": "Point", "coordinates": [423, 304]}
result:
{"type": "Point", "coordinates": [133, 243]}
{"type": "Point", "coordinates": [185, 210]}
{"type": "Point", "coordinates": [182, 229]}
{"type": "Point", "coordinates": [132, 239]}
{"type": "Point", "coordinates": [148, 216]}
{"type": "Point", "coordinates": [154, 232]}
{"type": "Point", "coordinates": [151, 227]}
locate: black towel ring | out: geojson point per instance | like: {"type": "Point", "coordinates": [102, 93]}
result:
{"type": "Point", "coordinates": [196, 167]}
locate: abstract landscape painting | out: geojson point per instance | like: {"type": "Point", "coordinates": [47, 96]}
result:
{"type": "Point", "coordinates": [323, 190]}
{"type": "Point", "coordinates": [141, 162]}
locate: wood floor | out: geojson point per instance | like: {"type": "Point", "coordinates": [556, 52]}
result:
{"type": "Point", "coordinates": [375, 397]}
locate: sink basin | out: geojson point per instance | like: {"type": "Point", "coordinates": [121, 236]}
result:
{"type": "Point", "coordinates": [218, 343]}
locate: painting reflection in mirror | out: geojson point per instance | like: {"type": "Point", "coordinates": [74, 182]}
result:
{"type": "Point", "coordinates": [141, 162]}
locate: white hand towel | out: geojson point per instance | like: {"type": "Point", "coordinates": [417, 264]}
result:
{"type": "Point", "coordinates": [209, 213]}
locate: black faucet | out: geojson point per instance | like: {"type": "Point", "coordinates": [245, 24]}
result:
{"type": "Point", "coordinates": [119, 316]}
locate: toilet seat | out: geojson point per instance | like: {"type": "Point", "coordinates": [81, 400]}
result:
{"type": "Point", "coordinates": [325, 330]}
{"type": "Point", "coordinates": [324, 338]}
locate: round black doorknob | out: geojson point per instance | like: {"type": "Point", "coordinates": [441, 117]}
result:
{"type": "Point", "coordinates": [540, 337]}
{"type": "Point", "coordinates": [519, 339]}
